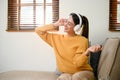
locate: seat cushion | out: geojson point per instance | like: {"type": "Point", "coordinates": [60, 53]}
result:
{"type": "Point", "coordinates": [28, 75]}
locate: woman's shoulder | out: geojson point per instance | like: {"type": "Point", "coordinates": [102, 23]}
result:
{"type": "Point", "coordinates": [82, 37]}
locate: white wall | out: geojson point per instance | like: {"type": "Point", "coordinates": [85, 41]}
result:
{"type": "Point", "coordinates": [97, 12]}
{"type": "Point", "coordinates": [22, 50]}
{"type": "Point", "coordinates": [26, 51]}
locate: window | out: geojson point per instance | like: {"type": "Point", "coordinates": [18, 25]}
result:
{"type": "Point", "coordinates": [28, 14]}
{"type": "Point", "coordinates": [114, 15]}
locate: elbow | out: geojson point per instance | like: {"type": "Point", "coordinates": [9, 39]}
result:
{"type": "Point", "coordinates": [36, 30]}
{"type": "Point", "coordinates": [77, 64]}
{"type": "Point", "coordinates": [39, 31]}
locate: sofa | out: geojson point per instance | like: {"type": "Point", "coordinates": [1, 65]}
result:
{"type": "Point", "coordinates": [107, 65]}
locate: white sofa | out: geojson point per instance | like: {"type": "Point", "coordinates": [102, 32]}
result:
{"type": "Point", "coordinates": [28, 75]}
{"type": "Point", "coordinates": [108, 66]}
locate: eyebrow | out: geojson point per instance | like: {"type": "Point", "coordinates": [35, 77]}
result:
{"type": "Point", "coordinates": [69, 22]}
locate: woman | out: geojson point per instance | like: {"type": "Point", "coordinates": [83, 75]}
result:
{"type": "Point", "coordinates": [71, 49]}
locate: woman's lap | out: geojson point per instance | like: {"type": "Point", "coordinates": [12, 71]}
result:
{"type": "Point", "coordinates": [82, 75]}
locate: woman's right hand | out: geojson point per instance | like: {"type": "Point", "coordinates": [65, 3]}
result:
{"type": "Point", "coordinates": [60, 22]}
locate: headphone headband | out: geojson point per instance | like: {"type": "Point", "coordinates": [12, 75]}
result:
{"type": "Point", "coordinates": [78, 28]}
{"type": "Point", "coordinates": [80, 19]}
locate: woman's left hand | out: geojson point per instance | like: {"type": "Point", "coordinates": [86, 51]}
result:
{"type": "Point", "coordinates": [94, 48]}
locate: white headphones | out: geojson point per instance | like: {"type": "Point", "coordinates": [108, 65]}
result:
{"type": "Point", "coordinates": [78, 27]}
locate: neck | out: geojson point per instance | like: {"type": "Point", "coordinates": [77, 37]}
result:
{"type": "Point", "coordinates": [71, 35]}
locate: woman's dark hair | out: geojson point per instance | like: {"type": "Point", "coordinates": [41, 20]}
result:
{"type": "Point", "coordinates": [85, 24]}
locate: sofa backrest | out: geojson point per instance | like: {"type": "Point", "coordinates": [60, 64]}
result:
{"type": "Point", "coordinates": [115, 71]}
{"type": "Point", "coordinates": [109, 65]}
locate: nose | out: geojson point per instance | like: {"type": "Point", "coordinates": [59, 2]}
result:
{"type": "Point", "coordinates": [65, 24]}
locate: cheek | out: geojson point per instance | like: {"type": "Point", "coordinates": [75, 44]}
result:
{"type": "Point", "coordinates": [71, 28]}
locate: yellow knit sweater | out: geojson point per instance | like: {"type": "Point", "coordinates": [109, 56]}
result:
{"type": "Point", "coordinates": [68, 50]}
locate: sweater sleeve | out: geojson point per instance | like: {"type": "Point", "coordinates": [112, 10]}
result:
{"type": "Point", "coordinates": [44, 34]}
{"type": "Point", "coordinates": [81, 59]}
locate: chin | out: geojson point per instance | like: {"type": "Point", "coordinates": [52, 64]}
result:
{"type": "Point", "coordinates": [65, 31]}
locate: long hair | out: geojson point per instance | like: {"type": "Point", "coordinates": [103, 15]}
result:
{"type": "Point", "coordinates": [85, 24]}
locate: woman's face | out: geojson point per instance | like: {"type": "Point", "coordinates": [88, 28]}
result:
{"type": "Point", "coordinates": [69, 25]}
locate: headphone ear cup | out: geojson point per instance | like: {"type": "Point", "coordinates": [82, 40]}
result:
{"type": "Point", "coordinates": [76, 28]}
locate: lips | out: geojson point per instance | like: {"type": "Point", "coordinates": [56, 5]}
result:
{"type": "Point", "coordinates": [65, 29]}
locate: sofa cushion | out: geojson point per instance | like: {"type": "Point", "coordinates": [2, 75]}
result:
{"type": "Point", "coordinates": [94, 61]}
{"type": "Point", "coordinates": [28, 75]}
{"type": "Point", "coordinates": [107, 59]}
